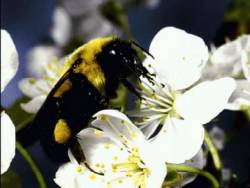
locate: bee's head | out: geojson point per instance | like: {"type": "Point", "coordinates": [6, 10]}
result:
{"type": "Point", "coordinates": [121, 60]}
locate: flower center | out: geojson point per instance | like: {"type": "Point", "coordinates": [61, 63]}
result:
{"type": "Point", "coordinates": [134, 168]}
{"type": "Point", "coordinates": [54, 71]}
{"type": "Point", "coordinates": [160, 102]}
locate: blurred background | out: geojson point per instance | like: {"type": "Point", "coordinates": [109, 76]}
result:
{"type": "Point", "coordinates": [65, 24]}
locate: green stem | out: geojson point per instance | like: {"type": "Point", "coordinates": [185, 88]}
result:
{"type": "Point", "coordinates": [247, 114]}
{"type": "Point", "coordinates": [214, 152]}
{"type": "Point", "coordinates": [192, 170]}
{"type": "Point", "coordinates": [24, 123]}
{"type": "Point", "coordinates": [32, 165]}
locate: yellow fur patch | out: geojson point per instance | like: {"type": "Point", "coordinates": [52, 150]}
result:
{"type": "Point", "coordinates": [89, 67]}
{"type": "Point", "coordinates": [62, 132]}
{"type": "Point", "coordinates": [66, 85]}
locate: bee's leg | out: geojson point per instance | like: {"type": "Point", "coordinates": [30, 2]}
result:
{"type": "Point", "coordinates": [104, 102]}
{"type": "Point", "coordinates": [130, 87]}
{"type": "Point", "coordinates": [76, 150]}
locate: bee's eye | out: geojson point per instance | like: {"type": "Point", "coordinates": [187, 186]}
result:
{"type": "Point", "coordinates": [77, 62]}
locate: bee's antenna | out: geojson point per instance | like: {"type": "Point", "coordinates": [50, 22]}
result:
{"type": "Point", "coordinates": [140, 47]}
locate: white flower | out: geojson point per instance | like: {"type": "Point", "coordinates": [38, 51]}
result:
{"type": "Point", "coordinates": [38, 88]}
{"type": "Point", "coordinates": [174, 102]}
{"type": "Point", "coordinates": [179, 57]}
{"type": "Point", "coordinates": [9, 59]}
{"type": "Point", "coordinates": [9, 65]}
{"type": "Point", "coordinates": [119, 154]}
{"type": "Point", "coordinates": [149, 3]}
{"type": "Point", "coordinates": [8, 139]}
{"type": "Point", "coordinates": [234, 55]}
{"type": "Point", "coordinates": [240, 99]}
{"type": "Point", "coordinates": [218, 136]}
{"type": "Point", "coordinates": [76, 175]}
{"type": "Point", "coordinates": [61, 29]}
{"type": "Point", "coordinates": [232, 59]}
{"type": "Point", "coordinates": [78, 8]}
{"type": "Point", "coordinates": [94, 25]}
{"type": "Point", "coordinates": [38, 59]}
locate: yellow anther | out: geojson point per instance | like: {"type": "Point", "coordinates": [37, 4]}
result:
{"type": "Point", "coordinates": [120, 181]}
{"type": "Point", "coordinates": [32, 81]}
{"type": "Point", "coordinates": [106, 146]}
{"type": "Point", "coordinates": [133, 134]}
{"type": "Point", "coordinates": [92, 177]}
{"type": "Point", "coordinates": [103, 117]}
{"type": "Point", "coordinates": [98, 132]}
{"type": "Point", "coordinates": [115, 158]}
{"type": "Point", "coordinates": [79, 169]}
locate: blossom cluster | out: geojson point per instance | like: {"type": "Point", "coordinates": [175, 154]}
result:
{"type": "Point", "coordinates": [191, 86]}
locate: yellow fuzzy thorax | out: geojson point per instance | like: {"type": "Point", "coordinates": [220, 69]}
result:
{"type": "Point", "coordinates": [89, 67]}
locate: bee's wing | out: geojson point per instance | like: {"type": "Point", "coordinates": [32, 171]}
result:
{"type": "Point", "coordinates": [32, 132]}
{"type": "Point", "coordinates": [74, 105]}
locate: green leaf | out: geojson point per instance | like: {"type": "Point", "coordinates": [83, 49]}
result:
{"type": "Point", "coordinates": [121, 100]}
{"type": "Point", "coordinates": [239, 11]}
{"type": "Point", "coordinates": [192, 170]}
{"type": "Point", "coordinates": [10, 179]}
{"type": "Point", "coordinates": [172, 178]}
{"type": "Point", "coordinates": [19, 117]}
{"type": "Point", "coordinates": [247, 114]}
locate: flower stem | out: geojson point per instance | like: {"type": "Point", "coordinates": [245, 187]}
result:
{"type": "Point", "coordinates": [192, 170]}
{"type": "Point", "coordinates": [24, 123]}
{"type": "Point", "coordinates": [214, 152]}
{"type": "Point", "coordinates": [25, 154]}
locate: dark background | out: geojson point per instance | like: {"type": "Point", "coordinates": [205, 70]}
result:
{"type": "Point", "coordinates": [29, 20]}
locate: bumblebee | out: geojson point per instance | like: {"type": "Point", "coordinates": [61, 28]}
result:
{"type": "Point", "coordinates": [95, 71]}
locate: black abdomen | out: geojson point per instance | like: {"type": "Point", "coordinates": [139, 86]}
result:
{"type": "Point", "coordinates": [76, 107]}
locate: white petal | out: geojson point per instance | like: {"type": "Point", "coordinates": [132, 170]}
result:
{"type": "Point", "coordinates": [205, 101]}
{"type": "Point", "coordinates": [33, 88]}
{"type": "Point", "coordinates": [245, 42]}
{"type": "Point", "coordinates": [216, 71]}
{"type": "Point", "coordinates": [152, 3]}
{"type": "Point", "coordinates": [55, 70]}
{"type": "Point", "coordinates": [179, 140]}
{"type": "Point", "coordinates": [179, 56]}
{"type": "Point", "coordinates": [95, 143]}
{"type": "Point", "coordinates": [151, 156]}
{"type": "Point", "coordinates": [227, 54]}
{"type": "Point", "coordinates": [149, 129]}
{"type": "Point", "coordinates": [218, 136]}
{"type": "Point", "coordinates": [94, 25]}
{"type": "Point", "coordinates": [126, 183]}
{"type": "Point", "coordinates": [157, 176]}
{"type": "Point", "coordinates": [8, 142]}
{"type": "Point", "coordinates": [38, 59]}
{"type": "Point", "coordinates": [198, 161]}
{"type": "Point", "coordinates": [234, 56]}
{"type": "Point", "coordinates": [245, 61]}
{"type": "Point", "coordinates": [241, 96]}
{"type": "Point", "coordinates": [61, 29]}
{"type": "Point", "coordinates": [34, 105]}
{"type": "Point", "coordinates": [65, 175]}
{"type": "Point", "coordinates": [81, 7]}
{"type": "Point", "coordinates": [76, 176]}
{"type": "Point", "coordinates": [9, 59]}
{"type": "Point", "coordinates": [117, 124]}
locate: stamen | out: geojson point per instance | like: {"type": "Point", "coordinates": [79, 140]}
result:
{"type": "Point", "coordinates": [154, 101]}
